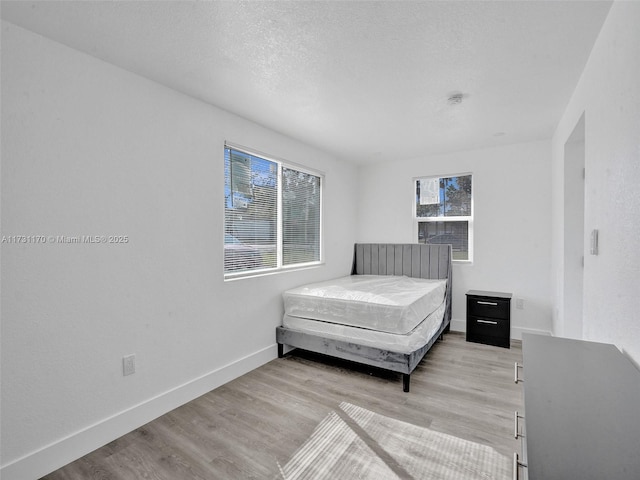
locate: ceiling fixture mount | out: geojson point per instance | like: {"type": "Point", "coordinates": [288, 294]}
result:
{"type": "Point", "coordinates": [455, 98]}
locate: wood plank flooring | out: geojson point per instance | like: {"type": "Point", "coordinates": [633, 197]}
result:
{"type": "Point", "coordinates": [245, 428]}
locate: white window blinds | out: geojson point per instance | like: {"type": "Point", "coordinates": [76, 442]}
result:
{"type": "Point", "coordinates": [300, 217]}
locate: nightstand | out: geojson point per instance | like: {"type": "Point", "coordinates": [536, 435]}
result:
{"type": "Point", "coordinates": [489, 318]}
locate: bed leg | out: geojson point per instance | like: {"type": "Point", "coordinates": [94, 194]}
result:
{"type": "Point", "coordinates": [406, 379]}
{"type": "Point", "coordinates": [280, 350]}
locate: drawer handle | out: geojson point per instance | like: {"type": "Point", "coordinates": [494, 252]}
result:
{"type": "Point", "coordinates": [516, 433]}
{"type": "Point", "coordinates": [515, 373]}
{"type": "Point", "coordinates": [516, 466]}
{"type": "Point", "coordinates": [495, 304]}
{"type": "Point", "coordinates": [490, 322]}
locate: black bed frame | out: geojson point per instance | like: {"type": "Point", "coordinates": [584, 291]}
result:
{"type": "Point", "coordinates": [413, 260]}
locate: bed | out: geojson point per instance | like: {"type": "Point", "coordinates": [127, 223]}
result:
{"type": "Point", "coordinates": [377, 315]}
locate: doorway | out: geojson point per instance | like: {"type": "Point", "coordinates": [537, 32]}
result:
{"type": "Point", "coordinates": [574, 236]}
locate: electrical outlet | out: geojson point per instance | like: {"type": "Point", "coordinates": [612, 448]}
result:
{"type": "Point", "coordinates": [519, 303]}
{"type": "Point", "coordinates": [129, 364]}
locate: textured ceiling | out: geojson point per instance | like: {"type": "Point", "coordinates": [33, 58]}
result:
{"type": "Point", "coordinates": [367, 81]}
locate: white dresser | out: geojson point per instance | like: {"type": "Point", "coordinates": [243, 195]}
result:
{"type": "Point", "coordinates": [582, 411]}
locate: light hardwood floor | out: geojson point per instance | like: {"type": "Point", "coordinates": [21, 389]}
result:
{"type": "Point", "coordinates": [247, 427]}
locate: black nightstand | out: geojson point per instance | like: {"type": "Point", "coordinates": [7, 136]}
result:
{"type": "Point", "coordinates": [489, 318]}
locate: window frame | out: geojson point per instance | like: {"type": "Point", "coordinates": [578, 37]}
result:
{"type": "Point", "coordinates": [280, 267]}
{"type": "Point", "coordinates": [462, 218]}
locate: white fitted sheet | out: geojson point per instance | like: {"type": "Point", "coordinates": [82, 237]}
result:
{"type": "Point", "coordinates": [405, 343]}
{"type": "Point", "coordinates": [382, 303]}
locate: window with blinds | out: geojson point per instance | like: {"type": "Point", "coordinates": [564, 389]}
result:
{"type": "Point", "coordinates": [272, 215]}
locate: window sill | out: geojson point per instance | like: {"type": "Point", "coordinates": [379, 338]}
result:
{"type": "Point", "coordinates": [231, 277]}
{"type": "Point", "coordinates": [462, 262]}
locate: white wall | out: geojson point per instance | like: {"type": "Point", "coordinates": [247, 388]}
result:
{"type": "Point", "coordinates": [512, 207]}
{"type": "Point", "coordinates": [90, 149]}
{"type": "Point", "coordinates": [608, 94]}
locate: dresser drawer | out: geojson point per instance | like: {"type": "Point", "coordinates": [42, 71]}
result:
{"type": "Point", "coordinates": [488, 307]}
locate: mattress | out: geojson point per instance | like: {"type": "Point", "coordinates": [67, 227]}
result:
{"type": "Point", "coordinates": [405, 343]}
{"type": "Point", "coordinates": [384, 303]}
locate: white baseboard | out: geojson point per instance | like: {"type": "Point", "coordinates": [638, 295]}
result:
{"type": "Point", "coordinates": [66, 450]}
{"type": "Point", "coordinates": [458, 325]}
{"type": "Point", "coordinates": [516, 332]}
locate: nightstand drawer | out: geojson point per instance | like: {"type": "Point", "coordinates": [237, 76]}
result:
{"type": "Point", "coordinates": [487, 327]}
{"type": "Point", "coordinates": [488, 307]}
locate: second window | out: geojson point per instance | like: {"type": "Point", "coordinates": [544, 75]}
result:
{"type": "Point", "coordinates": [443, 213]}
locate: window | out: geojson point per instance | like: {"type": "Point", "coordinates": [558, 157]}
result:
{"type": "Point", "coordinates": [444, 213]}
{"type": "Point", "coordinates": [272, 214]}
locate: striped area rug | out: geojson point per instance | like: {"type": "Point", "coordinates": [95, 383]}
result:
{"type": "Point", "coordinates": [355, 443]}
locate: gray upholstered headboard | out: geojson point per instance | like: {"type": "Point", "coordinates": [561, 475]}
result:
{"type": "Point", "coordinates": [411, 259]}
{"type": "Point", "coordinates": [418, 260]}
